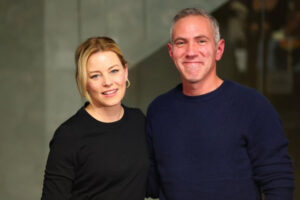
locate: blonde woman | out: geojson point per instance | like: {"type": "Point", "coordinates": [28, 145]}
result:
{"type": "Point", "coordinates": [100, 152]}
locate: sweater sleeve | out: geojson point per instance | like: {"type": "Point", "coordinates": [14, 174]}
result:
{"type": "Point", "coordinates": [153, 177]}
{"type": "Point", "coordinates": [267, 149]}
{"type": "Point", "coordinates": [59, 173]}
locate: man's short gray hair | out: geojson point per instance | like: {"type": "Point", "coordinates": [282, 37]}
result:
{"type": "Point", "coordinates": [195, 11]}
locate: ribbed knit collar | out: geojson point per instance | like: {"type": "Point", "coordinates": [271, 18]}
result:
{"type": "Point", "coordinates": [213, 94]}
{"type": "Point", "coordinates": [92, 120]}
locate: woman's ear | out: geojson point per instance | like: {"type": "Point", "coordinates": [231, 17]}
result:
{"type": "Point", "coordinates": [126, 71]}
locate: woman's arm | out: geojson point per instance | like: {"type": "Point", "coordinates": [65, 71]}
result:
{"type": "Point", "coordinates": [60, 167]}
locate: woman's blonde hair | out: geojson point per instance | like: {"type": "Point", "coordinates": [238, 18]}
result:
{"type": "Point", "coordinates": [84, 51]}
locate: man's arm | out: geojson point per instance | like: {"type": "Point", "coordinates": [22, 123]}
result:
{"type": "Point", "coordinates": [267, 149]}
{"type": "Point", "coordinates": [153, 176]}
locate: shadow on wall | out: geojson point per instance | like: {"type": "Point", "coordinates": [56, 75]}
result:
{"type": "Point", "coordinates": [151, 77]}
{"type": "Point", "coordinates": [158, 74]}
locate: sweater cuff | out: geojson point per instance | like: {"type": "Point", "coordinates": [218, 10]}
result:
{"type": "Point", "coordinates": [279, 194]}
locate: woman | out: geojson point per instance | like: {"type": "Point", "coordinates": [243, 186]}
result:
{"type": "Point", "coordinates": [100, 152]}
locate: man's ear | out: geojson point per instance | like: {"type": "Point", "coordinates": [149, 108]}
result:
{"type": "Point", "coordinates": [220, 49]}
{"type": "Point", "coordinates": [170, 47]}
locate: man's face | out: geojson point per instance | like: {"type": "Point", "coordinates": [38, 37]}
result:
{"type": "Point", "coordinates": [193, 49]}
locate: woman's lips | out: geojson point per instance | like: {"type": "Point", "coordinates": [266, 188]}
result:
{"type": "Point", "coordinates": [110, 92]}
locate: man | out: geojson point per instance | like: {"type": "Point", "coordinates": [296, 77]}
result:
{"type": "Point", "coordinates": [211, 138]}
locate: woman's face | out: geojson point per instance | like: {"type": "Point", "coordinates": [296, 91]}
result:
{"type": "Point", "coordinates": [106, 79]}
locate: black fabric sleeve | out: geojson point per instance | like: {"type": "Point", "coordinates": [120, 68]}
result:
{"type": "Point", "coordinates": [59, 173]}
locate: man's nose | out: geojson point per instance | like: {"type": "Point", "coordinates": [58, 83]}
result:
{"type": "Point", "coordinates": [192, 50]}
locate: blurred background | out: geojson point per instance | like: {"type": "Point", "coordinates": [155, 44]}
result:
{"type": "Point", "coordinates": [37, 43]}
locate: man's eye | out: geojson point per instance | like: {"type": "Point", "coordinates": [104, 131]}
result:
{"type": "Point", "coordinates": [179, 43]}
{"type": "Point", "coordinates": [202, 41]}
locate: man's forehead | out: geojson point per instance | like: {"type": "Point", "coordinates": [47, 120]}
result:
{"type": "Point", "coordinates": [192, 19]}
{"type": "Point", "coordinates": [194, 37]}
{"type": "Point", "coordinates": [192, 27]}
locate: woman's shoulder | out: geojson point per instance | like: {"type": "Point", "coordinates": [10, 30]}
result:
{"type": "Point", "coordinates": [71, 126]}
{"type": "Point", "coordinates": [134, 112]}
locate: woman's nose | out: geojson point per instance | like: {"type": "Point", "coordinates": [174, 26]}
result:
{"type": "Point", "coordinates": [106, 81]}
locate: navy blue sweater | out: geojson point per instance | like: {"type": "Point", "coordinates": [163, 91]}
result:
{"type": "Point", "coordinates": [225, 145]}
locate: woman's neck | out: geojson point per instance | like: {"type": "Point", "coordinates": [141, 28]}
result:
{"type": "Point", "coordinates": [105, 114]}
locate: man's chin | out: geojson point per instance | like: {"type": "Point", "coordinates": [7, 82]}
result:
{"type": "Point", "coordinates": [192, 80]}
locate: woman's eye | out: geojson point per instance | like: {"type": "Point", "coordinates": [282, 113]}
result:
{"type": "Point", "coordinates": [114, 71]}
{"type": "Point", "coordinates": [94, 76]}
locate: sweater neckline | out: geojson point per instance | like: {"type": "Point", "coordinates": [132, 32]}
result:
{"type": "Point", "coordinates": [203, 97]}
{"type": "Point", "coordinates": [106, 124]}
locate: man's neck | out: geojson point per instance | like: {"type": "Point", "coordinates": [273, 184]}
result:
{"type": "Point", "coordinates": [200, 88]}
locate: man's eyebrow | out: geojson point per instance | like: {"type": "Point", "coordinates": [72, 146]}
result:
{"type": "Point", "coordinates": [179, 38]}
{"type": "Point", "coordinates": [196, 37]}
{"type": "Point", "coordinates": [201, 37]}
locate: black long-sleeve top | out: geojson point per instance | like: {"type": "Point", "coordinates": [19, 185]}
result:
{"type": "Point", "coordinates": [91, 160]}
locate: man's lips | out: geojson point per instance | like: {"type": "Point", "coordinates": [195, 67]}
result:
{"type": "Point", "coordinates": [192, 62]}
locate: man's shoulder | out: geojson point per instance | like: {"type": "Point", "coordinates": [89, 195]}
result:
{"type": "Point", "coordinates": [243, 90]}
{"type": "Point", "coordinates": [246, 95]}
{"type": "Point", "coordinates": [164, 98]}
